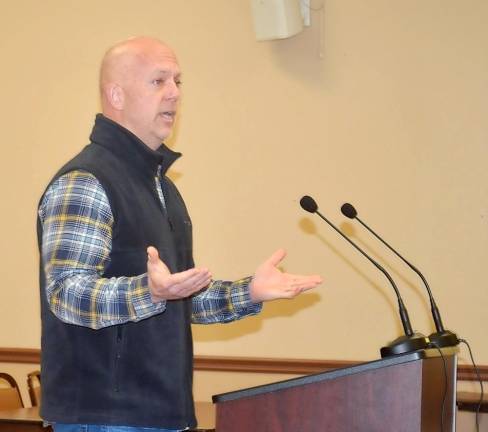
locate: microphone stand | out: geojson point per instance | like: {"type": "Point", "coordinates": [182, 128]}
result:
{"type": "Point", "coordinates": [404, 344]}
{"type": "Point", "coordinates": [441, 337]}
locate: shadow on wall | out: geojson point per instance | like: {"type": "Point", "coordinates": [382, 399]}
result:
{"type": "Point", "coordinates": [308, 226]}
{"type": "Point", "coordinates": [303, 56]}
{"type": "Point", "coordinates": [275, 309]}
{"type": "Point", "coordinates": [417, 288]}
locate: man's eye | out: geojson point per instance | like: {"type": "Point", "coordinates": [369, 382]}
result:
{"type": "Point", "coordinates": [159, 81]}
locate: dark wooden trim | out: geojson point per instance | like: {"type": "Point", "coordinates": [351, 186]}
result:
{"type": "Point", "coordinates": [20, 355]}
{"type": "Point", "coordinates": [469, 401]}
{"type": "Point", "coordinates": [246, 364]}
{"type": "Point", "coordinates": [467, 373]}
{"type": "Point", "coordinates": [268, 365]}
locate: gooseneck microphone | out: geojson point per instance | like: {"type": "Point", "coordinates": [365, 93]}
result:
{"type": "Point", "coordinates": [410, 341]}
{"type": "Point", "coordinates": [442, 337]}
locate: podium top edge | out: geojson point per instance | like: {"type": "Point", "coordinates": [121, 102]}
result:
{"type": "Point", "coordinates": [333, 374]}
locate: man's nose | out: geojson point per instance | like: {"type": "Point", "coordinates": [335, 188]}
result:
{"type": "Point", "coordinates": [173, 91]}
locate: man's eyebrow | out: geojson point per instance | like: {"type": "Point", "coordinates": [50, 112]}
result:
{"type": "Point", "coordinates": [166, 72]}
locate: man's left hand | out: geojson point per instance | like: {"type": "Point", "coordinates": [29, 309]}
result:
{"type": "Point", "coordinates": [269, 283]}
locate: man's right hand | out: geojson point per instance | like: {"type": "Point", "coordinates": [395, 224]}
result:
{"type": "Point", "coordinates": [164, 285]}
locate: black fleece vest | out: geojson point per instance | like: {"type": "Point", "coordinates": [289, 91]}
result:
{"type": "Point", "coordinates": [134, 374]}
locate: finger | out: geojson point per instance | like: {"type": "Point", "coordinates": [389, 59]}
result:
{"type": "Point", "coordinates": [154, 263]}
{"type": "Point", "coordinates": [300, 278]}
{"type": "Point", "coordinates": [188, 276]}
{"type": "Point", "coordinates": [305, 283]}
{"type": "Point", "coordinates": [198, 282]}
{"type": "Point", "coordinates": [190, 285]}
{"type": "Point", "coordinates": [305, 286]}
{"type": "Point", "coordinates": [276, 258]}
{"type": "Point", "coordinates": [152, 254]}
{"type": "Point", "coordinates": [196, 285]}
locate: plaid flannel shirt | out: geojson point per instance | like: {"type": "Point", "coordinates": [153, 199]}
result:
{"type": "Point", "coordinates": [77, 226]}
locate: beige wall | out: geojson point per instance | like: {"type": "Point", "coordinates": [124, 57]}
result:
{"type": "Point", "coordinates": [393, 118]}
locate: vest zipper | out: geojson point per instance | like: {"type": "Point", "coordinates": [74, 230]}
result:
{"type": "Point", "coordinates": [118, 356]}
{"type": "Point", "coordinates": [160, 191]}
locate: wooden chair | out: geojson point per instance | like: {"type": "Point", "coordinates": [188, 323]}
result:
{"type": "Point", "coordinates": [34, 386]}
{"type": "Point", "coordinates": [10, 397]}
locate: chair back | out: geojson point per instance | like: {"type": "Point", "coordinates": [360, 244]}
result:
{"type": "Point", "coordinates": [34, 386]}
{"type": "Point", "coordinates": [10, 397]}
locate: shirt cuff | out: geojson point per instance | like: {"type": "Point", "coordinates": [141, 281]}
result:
{"type": "Point", "coordinates": [241, 298]}
{"type": "Point", "coordinates": [141, 298]}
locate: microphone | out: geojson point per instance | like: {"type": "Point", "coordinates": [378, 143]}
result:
{"type": "Point", "coordinates": [410, 341]}
{"type": "Point", "coordinates": [440, 338]}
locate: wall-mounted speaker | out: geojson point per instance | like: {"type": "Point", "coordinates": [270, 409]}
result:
{"type": "Point", "coordinates": [276, 19]}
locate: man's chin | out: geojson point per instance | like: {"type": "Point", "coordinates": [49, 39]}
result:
{"type": "Point", "coordinates": [162, 135]}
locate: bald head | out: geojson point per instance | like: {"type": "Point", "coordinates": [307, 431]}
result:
{"type": "Point", "coordinates": [139, 80]}
{"type": "Point", "coordinates": [121, 59]}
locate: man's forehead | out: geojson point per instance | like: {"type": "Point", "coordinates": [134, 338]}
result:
{"type": "Point", "coordinates": [144, 55]}
{"type": "Point", "coordinates": [163, 67]}
{"type": "Point", "coordinates": [162, 60]}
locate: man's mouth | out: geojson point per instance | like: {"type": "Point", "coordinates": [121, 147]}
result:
{"type": "Point", "coordinates": [168, 115]}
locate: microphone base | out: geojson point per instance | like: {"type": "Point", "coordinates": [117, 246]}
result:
{"type": "Point", "coordinates": [442, 339]}
{"type": "Point", "coordinates": [405, 344]}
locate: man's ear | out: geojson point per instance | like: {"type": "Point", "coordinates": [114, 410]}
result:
{"type": "Point", "coordinates": [115, 96]}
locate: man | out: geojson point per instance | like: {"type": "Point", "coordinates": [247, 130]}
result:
{"type": "Point", "coordinates": [119, 288]}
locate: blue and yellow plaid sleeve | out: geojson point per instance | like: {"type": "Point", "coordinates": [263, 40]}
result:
{"type": "Point", "coordinates": [76, 243]}
{"type": "Point", "coordinates": [224, 301]}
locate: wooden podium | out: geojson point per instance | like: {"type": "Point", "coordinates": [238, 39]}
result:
{"type": "Point", "coordinates": [397, 394]}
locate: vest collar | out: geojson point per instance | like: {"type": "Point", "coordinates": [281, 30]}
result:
{"type": "Point", "coordinates": [125, 144]}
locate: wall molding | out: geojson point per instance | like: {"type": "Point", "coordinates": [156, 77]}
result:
{"type": "Point", "coordinates": [268, 365]}
{"type": "Point", "coordinates": [246, 364]}
{"type": "Point", "coordinates": [20, 355]}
